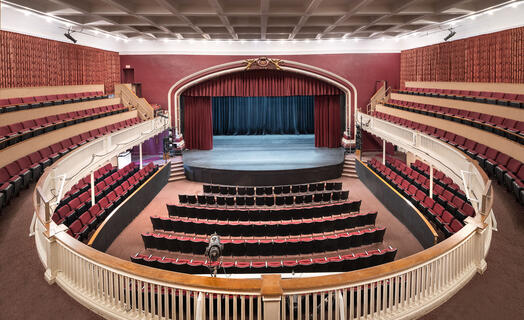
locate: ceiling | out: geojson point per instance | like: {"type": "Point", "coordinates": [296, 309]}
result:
{"type": "Point", "coordinates": [257, 19]}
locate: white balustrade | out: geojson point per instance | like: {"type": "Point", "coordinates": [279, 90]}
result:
{"type": "Point", "coordinates": [401, 289]}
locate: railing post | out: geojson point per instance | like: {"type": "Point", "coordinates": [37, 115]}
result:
{"type": "Point", "coordinates": [480, 239]}
{"type": "Point", "coordinates": [51, 249]}
{"type": "Point", "coordinates": [383, 151]}
{"type": "Point", "coordinates": [431, 181]}
{"type": "Point", "coordinates": [271, 292]}
{"type": "Point", "coordinates": [92, 188]}
{"type": "Point", "coordinates": [140, 152]}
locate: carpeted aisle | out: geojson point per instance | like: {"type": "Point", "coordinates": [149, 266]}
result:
{"type": "Point", "coordinates": [25, 293]}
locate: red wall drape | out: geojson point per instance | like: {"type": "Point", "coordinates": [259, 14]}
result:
{"type": "Point", "coordinates": [327, 121]}
{"type": "Point", "coordinates": [28, 61]}
{"type": "Point", "coordinates": [262, 83]}
{"type": "Point", "coordinates": [494, 57]}
{"type": "Point", "coordinates": [198, 123]}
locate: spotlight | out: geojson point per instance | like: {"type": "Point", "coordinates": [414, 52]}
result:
{"type": "Point", "coordinates": [69, 36]}
{"type": "Point", "coordinates": [450, 35]}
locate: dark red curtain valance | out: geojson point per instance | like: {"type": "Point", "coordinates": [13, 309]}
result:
{"type": "Point", "coordinates": [28, 61]}
{"type": "Point", "coordinates": [262, 83]}
{"type": "Point", "coordinates": [198, 123]}
{"type": "Point", "coordinates": [494, 57]}
{"type": "Point", "coordinates": [327, 121]}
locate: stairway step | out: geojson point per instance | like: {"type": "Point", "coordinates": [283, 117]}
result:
{"type": "Point", "coordinates": [176, 179]}
{"type": "Point", "coordinates": [347, 175]}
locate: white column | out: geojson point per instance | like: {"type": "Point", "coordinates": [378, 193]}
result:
{"type": "Point", "coordinates": [140, 152]}
{"type": "Point", "coordinates": [383, 152]}
{"type": "Point", "coordinates": [431, 181]}
{"type": "Point", "coordinates": [92, 188]}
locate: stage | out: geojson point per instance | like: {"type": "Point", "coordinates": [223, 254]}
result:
{"type": "Point", "coordinates": [258, 160]}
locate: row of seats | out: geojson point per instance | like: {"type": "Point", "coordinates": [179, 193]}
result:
{"type": "Point", "coordinates": [20, 173]}
{"type": "Point", "coordinates": [496, 98]}
{"type": "Point", "coordinates": [421, 168]}
{"type": "Point", "coordinates": [20, 131]}
{"type": "Point", "coordinates": [73, 205]}
{"type": "Point", "coordinates": [235, 228]}
{"type": "Point", "coordinates": [211, 200]}
{"type": "Point", "coordinates": [17, 104]}
{"type": "Point", "coordinates": [446, 222]}
{"type": "Point", "coordinates": [268, 246]}
{"type": "Point", "coordinates": [329, 263]}
{"type": "Point", "coordinates": [244, 214]}
{"type": "Point", "coordinates": [455, 201]}
{"type": "Point", "coordinates": [505, 127]}
{"type": "Point", "coordinates": [271, 190]}
{"type": "Point", "coordinates": [86, 218]}
{"type": "Point", "coordinates": [506, 170]}
{"type": "Point", "coordinates": [85, 183]}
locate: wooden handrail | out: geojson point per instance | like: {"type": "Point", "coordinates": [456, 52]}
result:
{"type": "Point", "coordinates": [130, 100]}
{"type": "Point", "coordinates": [272, 285]}
{"type": "Point", "coordinates": [376, 97]}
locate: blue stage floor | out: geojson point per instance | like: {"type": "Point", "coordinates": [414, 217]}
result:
{"type": "Point", "coordinates": [263, 153]}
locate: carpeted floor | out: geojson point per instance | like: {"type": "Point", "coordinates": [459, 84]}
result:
{"type": "Point", "coordinates": [130, 242]}
{"type": "Point", "coordinates": [497, 294]}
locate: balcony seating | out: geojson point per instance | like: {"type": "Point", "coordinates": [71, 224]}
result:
{"type": "Point", "coordinates": [17, 104]}
{"type": "Point", "coordinates": [305, 244]}
{"type": "Point", "coordinates": [82, 218]}
{"type": "Point", "coordinates": [245, 214]}
{"type": "Point", "coordinates": [444, 201]}
{"type": "Point", "coordinates": [494, 98]}
{"type": "Point", "coordinates": [20, 173]}
{"type": "Point", "coordinates": [236, 228]}
{"type": "Point", "coordinates": [283, 264]}
{"type": "Point", "coordinates": [17, 132]}
{"type": "Point", "coordinates": [505, 127]}
{"type": "Point", "coordinates": [487, 157]}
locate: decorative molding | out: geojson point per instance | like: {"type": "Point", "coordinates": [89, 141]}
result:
{"type": "Point", "coordinates": [263, 63]}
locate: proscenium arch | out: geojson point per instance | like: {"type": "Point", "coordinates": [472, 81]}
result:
{"type": "Point", "coordinates": [350, 91]}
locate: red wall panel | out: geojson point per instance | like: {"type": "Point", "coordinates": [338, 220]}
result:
{"type": "Point", "coordinates": [28, 61]}
{"type": "Point", "coordinates": [494, 57]}
{"type": "Point", "coordinates": [158, 73]}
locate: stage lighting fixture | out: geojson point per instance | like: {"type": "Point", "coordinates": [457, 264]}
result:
{"type": "Point", "coordinates": [450, 35]}
{"type": "Point", "coordinates": [69, 36]}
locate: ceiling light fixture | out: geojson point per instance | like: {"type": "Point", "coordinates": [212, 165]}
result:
{"type": "Point", "coordinates": [450, 35]}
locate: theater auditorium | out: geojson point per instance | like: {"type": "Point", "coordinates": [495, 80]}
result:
{"type": "Point", "coordinates": [263, 159]}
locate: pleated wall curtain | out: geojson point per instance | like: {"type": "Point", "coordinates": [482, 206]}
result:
{"type": "Point", "coordinates": [262, 115]}
{"type": "Point", "coordinates": [327, 121]}
{"type": "Point", "coordinates": [28, 61]}
{"type": "Point", "coordinates": [494, 57]}
{"type": "Point", "coordinates": [198, 123]}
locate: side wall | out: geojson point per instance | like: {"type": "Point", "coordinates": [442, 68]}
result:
{"type": "Point", "coordinates": [493, 57]}
{"type": "Point", "coordinates": [28, 61]}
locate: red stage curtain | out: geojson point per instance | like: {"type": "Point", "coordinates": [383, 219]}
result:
{"type": "Point", "coordinates": [28, 61]}
{"type": "Point", "coordinates": [327, 121]}
{"type": "Point", "coordinates": [494, 57]}
{"type": "Point", "coordinates": [198, 123]}
{"type": "Point", "coordinates": [262, 83]}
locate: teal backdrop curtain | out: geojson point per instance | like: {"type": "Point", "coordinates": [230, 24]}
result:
{"type": "Point", "coordinates": [263, 115]}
